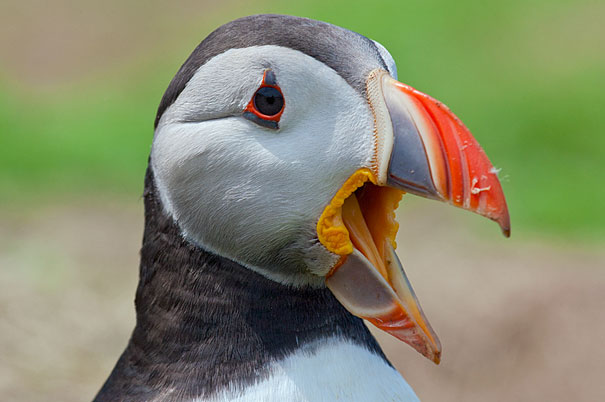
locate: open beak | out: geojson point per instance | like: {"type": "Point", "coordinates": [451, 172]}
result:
{"type": "Point", "coordinates": [426, 150]}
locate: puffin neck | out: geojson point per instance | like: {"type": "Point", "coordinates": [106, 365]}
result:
{"type": "Point", "coordinates": [205, 323]}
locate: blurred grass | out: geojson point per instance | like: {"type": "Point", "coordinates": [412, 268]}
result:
{"type": "Point", "coordinates": [526, 77]}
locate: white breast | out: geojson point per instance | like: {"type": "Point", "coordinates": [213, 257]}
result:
{"type": "Point", "coordinates": [328, 370]}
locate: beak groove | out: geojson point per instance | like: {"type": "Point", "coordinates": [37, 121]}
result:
{"type": "Point", "coordinates": [435, 156]}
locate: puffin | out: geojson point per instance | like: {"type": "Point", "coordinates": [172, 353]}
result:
{"type": "Point", "coordinates": [282, 148]}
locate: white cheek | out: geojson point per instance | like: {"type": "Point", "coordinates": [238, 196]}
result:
{"type": "Point", "coordinates": [254, 194]}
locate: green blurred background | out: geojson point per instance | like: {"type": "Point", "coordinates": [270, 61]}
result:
{"type": "Point", "coordinates": [80, 82]}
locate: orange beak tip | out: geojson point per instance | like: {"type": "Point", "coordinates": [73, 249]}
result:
{"type": "Point", "coordinates": [506, 231]}
{"type": "Point", "coordinates": [504, 221]}
{"type": "Point", "coordinates": [435, 155]}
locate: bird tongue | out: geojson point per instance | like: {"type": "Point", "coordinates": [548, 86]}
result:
{"type": "Point", "coordinates": [372, 284]}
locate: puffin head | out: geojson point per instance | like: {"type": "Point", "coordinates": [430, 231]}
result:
{"type": "Point", "coordinates": [285, 144]}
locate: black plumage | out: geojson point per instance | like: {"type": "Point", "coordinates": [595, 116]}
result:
{"type": "Point", "coordinates": [204, 321]}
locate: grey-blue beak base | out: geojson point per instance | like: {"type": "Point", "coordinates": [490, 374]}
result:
{"type": "Point", "coordinates": [408, 167]}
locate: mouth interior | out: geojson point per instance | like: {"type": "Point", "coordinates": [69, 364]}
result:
{"type": "Point", "coordinates": [361, 215]}
{"type": "Point", "coordinates": [369, 216]}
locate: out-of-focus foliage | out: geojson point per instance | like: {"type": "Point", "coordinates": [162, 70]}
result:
{"type": "Point", "coordinates": [528, 79]}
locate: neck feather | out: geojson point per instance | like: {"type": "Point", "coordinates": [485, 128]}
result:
{"type": "Point", "coordinates": [205, 323]}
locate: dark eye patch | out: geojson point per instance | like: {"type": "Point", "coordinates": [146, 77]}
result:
{"type": "Point", "coordinates": [267, 104]}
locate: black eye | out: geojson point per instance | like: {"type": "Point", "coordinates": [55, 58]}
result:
{"type": "Point", "coordinates": [268, 101]}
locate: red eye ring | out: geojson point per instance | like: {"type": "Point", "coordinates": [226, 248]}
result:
{"type": "Point", "coordinates": [267, 104]}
